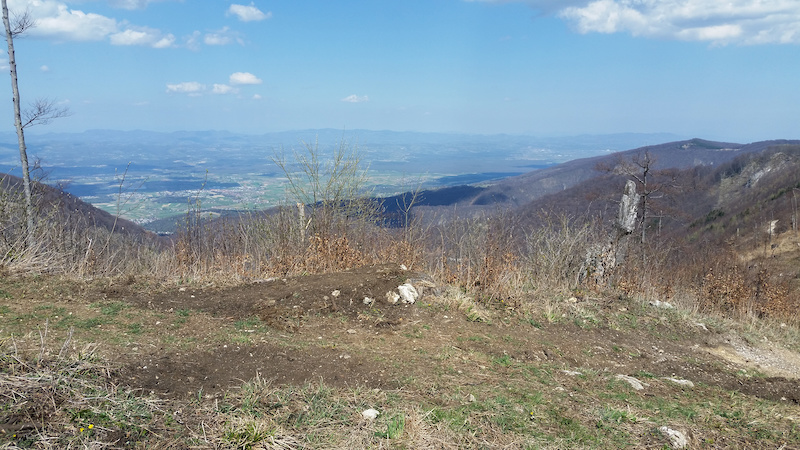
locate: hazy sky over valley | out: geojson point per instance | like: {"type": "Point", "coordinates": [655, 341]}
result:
{"type": "Point", "coordinates": [705, 68]}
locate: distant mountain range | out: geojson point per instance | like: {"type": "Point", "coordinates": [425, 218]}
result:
{"type": "Point", "coordinates": [557, 161]}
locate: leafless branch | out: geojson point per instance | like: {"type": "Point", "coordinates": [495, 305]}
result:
{"type": "Point", "coordinates": [20, 23]}
{"type": "Point", "coordinates": [42, 111]}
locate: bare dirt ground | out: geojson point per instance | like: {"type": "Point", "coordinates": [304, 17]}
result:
{"type": "Point", "coordinates": [202, 342]}
{"type": "Point", "coordinates": [343, 342]}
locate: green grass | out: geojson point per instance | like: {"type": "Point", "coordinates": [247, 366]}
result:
{"type": "Point", "coordinates": [111, 308]}
{"type": "Point", "coordinates": [394, 427]}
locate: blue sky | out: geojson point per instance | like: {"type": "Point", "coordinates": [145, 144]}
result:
{"type": "Point", "coordinates": [705, 68]}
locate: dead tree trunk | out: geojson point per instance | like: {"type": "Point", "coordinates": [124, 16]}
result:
{"type": "Point", "coordinates": [23, 154]}
{"type": "Point", "coordinates": [601, 260]}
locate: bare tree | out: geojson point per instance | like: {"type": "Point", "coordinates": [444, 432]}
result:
{"type": "Point", "coordinates": [649, 182]}
{"type": "Point", "coordinates": [42, 111]}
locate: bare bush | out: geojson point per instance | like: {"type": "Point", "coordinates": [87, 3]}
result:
{"type": "Point", "coordinates": [555, 252]}
{"type": "Point", "coordinates": [480, 255]}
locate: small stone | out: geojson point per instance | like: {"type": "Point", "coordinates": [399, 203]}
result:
{"type": "Point", "coordinates": [351, 331]}
{"type": "Point", "coordinates": [636, 384]}
{"type": "Point", "coordinates": [403, 267]}
{"type": "Point", "coordinates": [472, 398]}
{"type": "Point", "coordinates": [686, 383]}
{"type": "Point", "coordinates": [660, 304]}
{"type": "Point", "coordinates": [408, 293]}
{"type": "Point", "coordinates": [572, 300]}
{"type": "Point", "coordinates": [336, 293]}
{"type": "Point", "coordinates": [392, 297]}
{"type": "Point", "coordinates": [676, 438]}
{"type": "Point", "coordinates": [571, 373]}
{"type": "Point", "coordinates": [368, 301]}
{"type": "Point", "coordinates": [370, 414]}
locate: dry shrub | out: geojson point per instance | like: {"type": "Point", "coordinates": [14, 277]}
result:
{"type": "Point", "coordinates": [725, 292]}
{"type": "Point", "coordinates": [480, 255]}
{"type": "Point", "coordinates": [555, 251]}
{"type": "Point", "coordinates": [330, 253]}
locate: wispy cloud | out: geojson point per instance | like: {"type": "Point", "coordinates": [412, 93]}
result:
{"type": "Point", "coordinates": [244, 78]}
{"type": "Point", "coordinates": [247, 13]}
{"type": "Point", "coordinates": [223, 36]}
{"type": "Point", "coordinates": [356, 98]}
{"type": "Point", "coordinates": [713, 21]}
{"type": "Point", "coordinates": [195, 88]}
{"type": "Point", "coordinates": [223, 89]}
{"type": "Point", "coordinates": [130, 4]}
{"type": "Point", "coordinates": [143, 36]}
{"type": "Point", "coordinates": [186, 87]}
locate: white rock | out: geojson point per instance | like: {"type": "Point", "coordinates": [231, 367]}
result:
{"type": "Point", "coordinates": [676, 438]}
{"type": "Point", "coordinates": [392, 297]}
{"type": "Point", "coordinates": [370, 414]}
{"type": "Point", "coordinates": [368, 301]}
{"type": "Point", "coordinates": [686, 383]}
{"type": "Point", "coordinates": [408, 293]}
{"type": "Point", "coordinates": [335, 293]}
{"type": "Point", "coordinates": [572, 373]}
{"type": "Point", "coordinates": [403, 267]}
{"type": "Point", "coordinates": [636, 384]}
{"type": "Point", "coordinates": [472, 398]}
{"type": "Point", "coordinates": [660, 304]}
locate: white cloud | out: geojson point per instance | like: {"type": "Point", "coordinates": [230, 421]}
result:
{"type": "Point", "coordinates": [734, 21]}
{"type": "Point", "coordinates": [129, 4]}
{"type": "Point", "coordinates": [222, 37]}
{"type": "Point", "coordinates": [248, 13]}
{"type": "Point", "coordinates": [187, 87]}
{"type": "Point", "coordinates": [714, 21]}
{"type": "Point", "coordinates": [44, 68]}
{"type": "Point", "coordinates": [55, 21]}
{"type": "Point", "coordinates": [244, 78]}
{"type": "Point", "coordinates": [223, 89]}
{"type": "Point", "coordinates": [142, 36]}
{"type": "Point", "coordinates": [256, 97]}
{"type": "Point", "coordinates": [356, 98]}
{"type": "Point", "coordinates": [216, 39]}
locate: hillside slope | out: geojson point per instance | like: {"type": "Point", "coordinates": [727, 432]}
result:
{"type": "Point", "coordinates": [519, 190]}
{"type": "Point", "coordinates": [51, 202]}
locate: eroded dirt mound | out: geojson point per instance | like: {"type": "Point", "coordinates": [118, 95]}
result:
{"type": "Point", "coordinates": [369, 291]}
{"type": "Point", "coordinates": [285, 305]}
{"type": "Point", "coordinates": [284, 302]}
